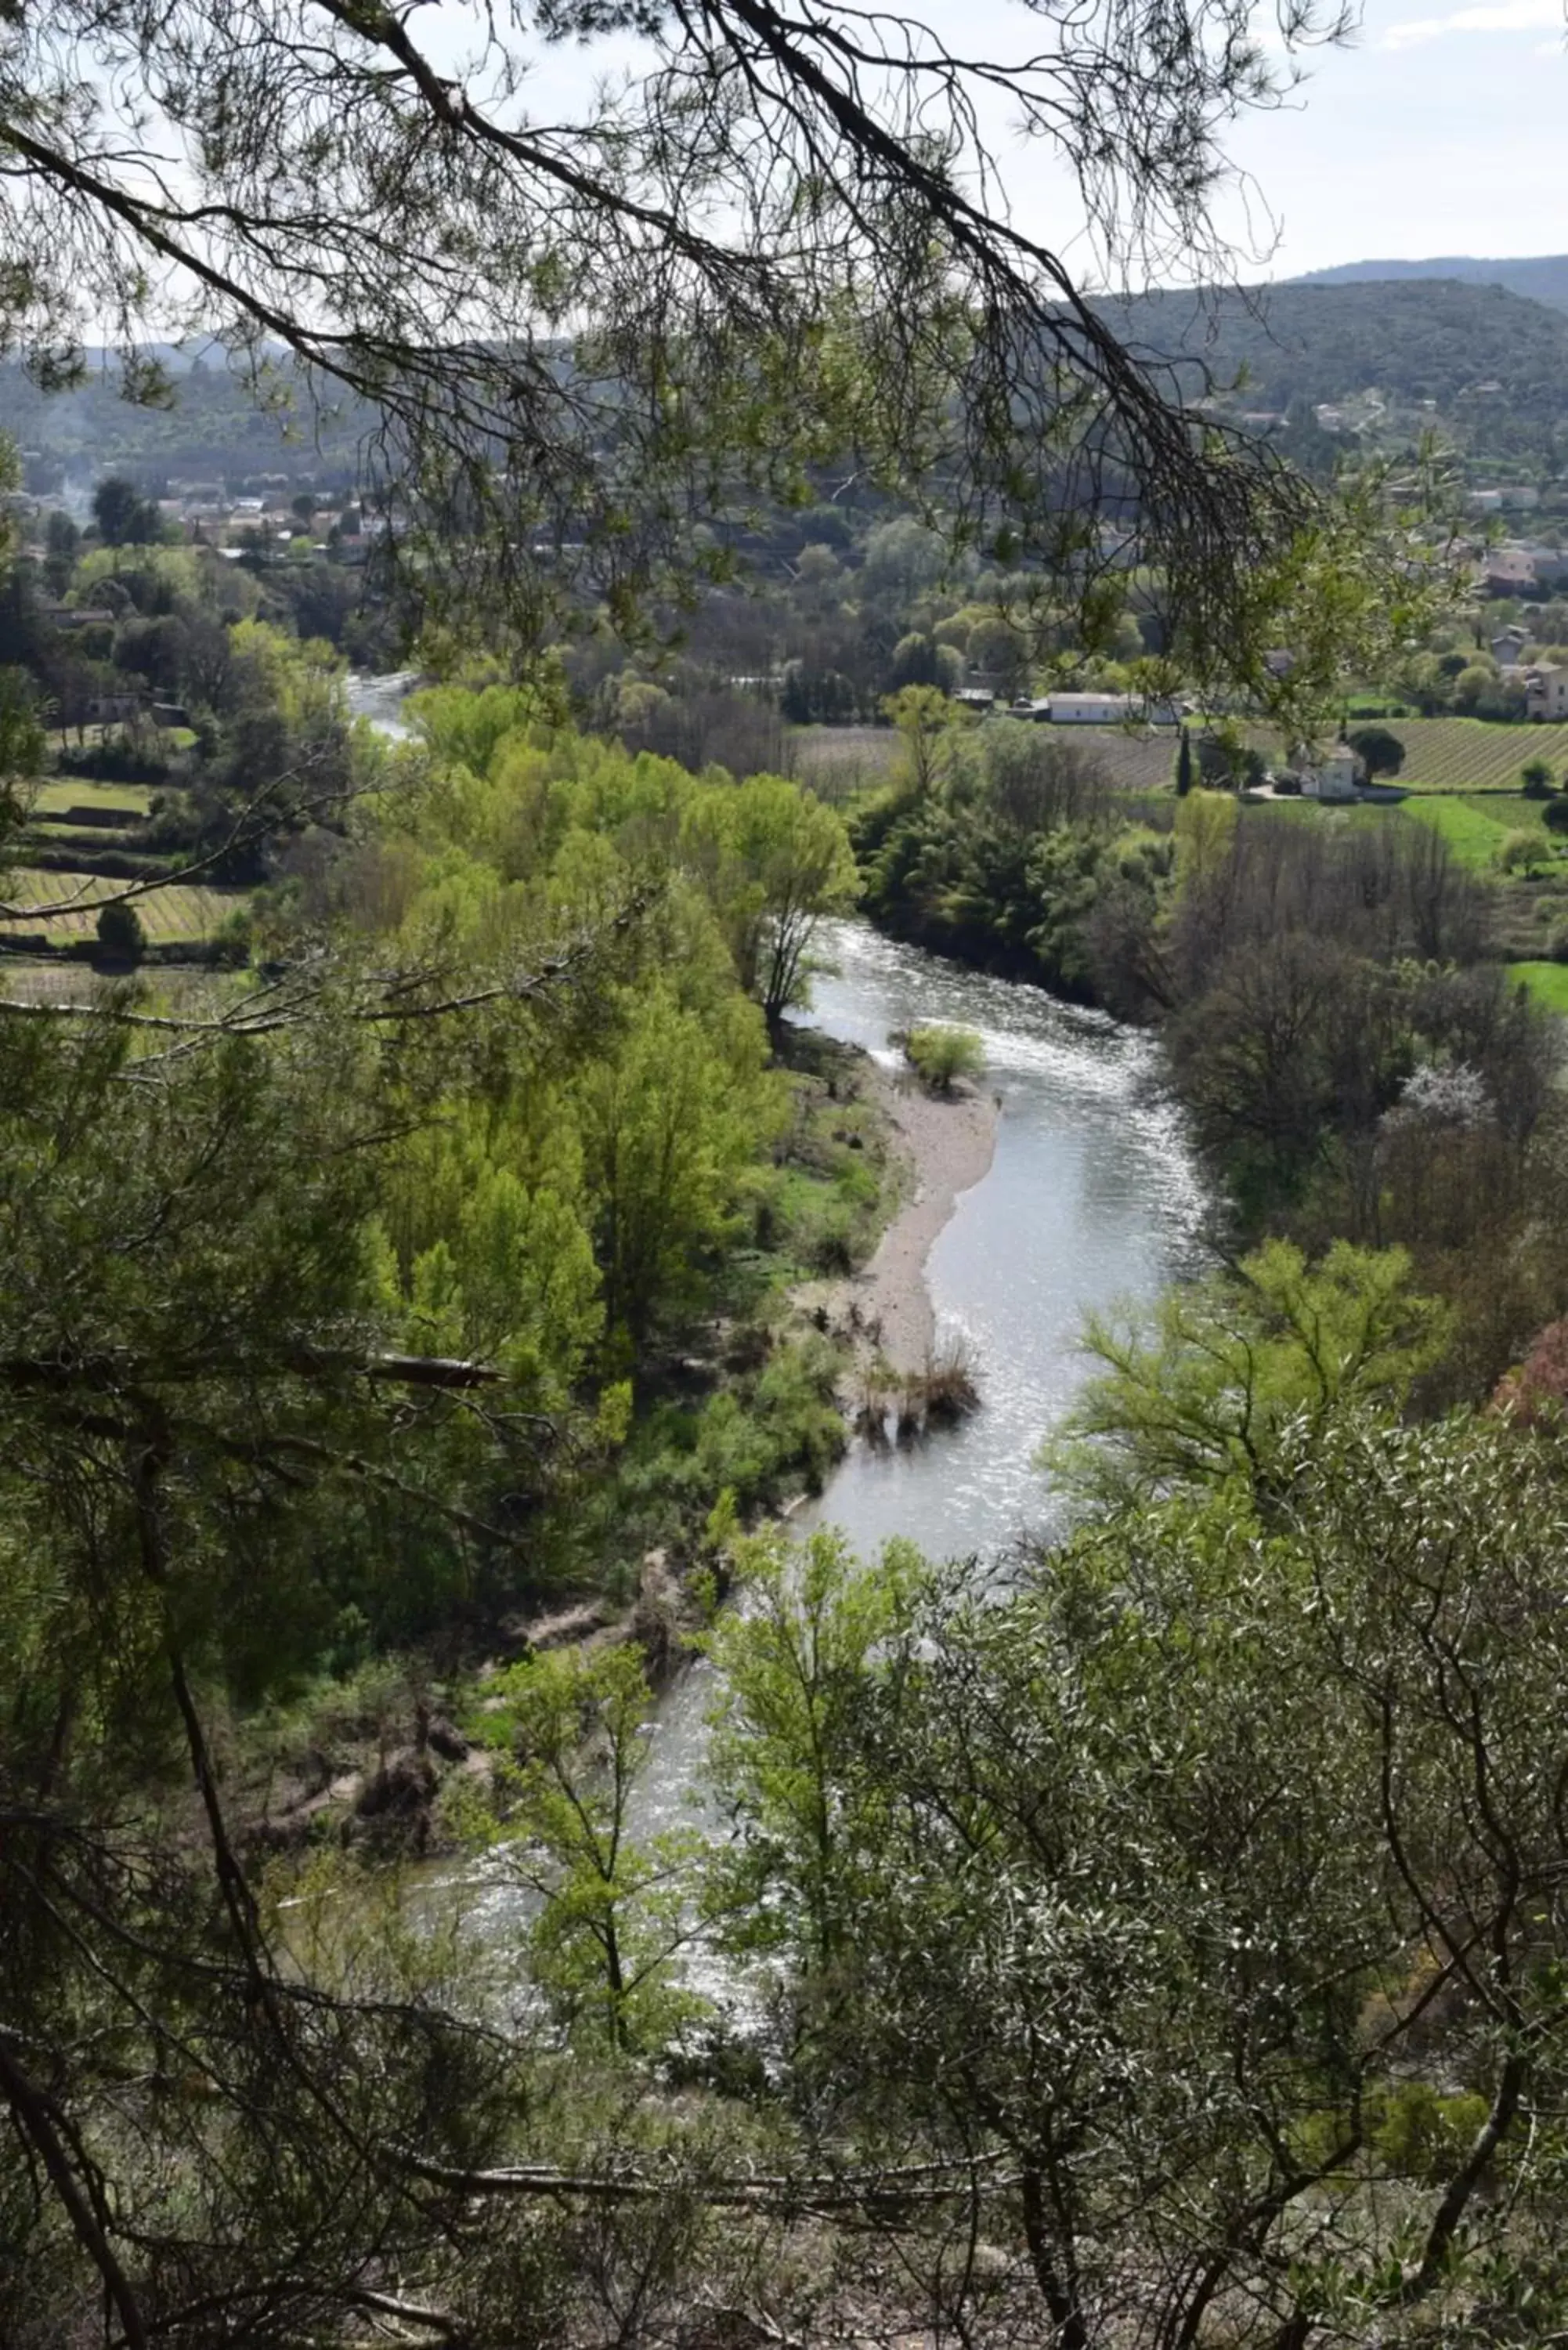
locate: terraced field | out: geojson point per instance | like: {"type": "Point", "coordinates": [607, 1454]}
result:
{"type": "Point", "coordinates": [183, 911]}
{"type": "Point", "coordinates": [62, 791]}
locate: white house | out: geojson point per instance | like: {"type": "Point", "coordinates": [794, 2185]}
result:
{"type": "Point", "coordinates": [1328, 774]}
{"type": "Point", "coordinates": [1108, 710]}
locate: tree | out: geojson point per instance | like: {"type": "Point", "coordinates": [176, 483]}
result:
{"type": "Point", "coordinates": [124, 517]}
{"type": "Point", "coordinates": [614, 1912]}
{"type": "Point", "coordinates": [1520, 850]}
{"type": "Point", "coordinates": [775, 863]}
{"type": "Point", "coordinates": [62, 541]}
{"type": "Point", "coordinates": [1196, 1903]}
{"type": "Point", "coordinates": [924, 717]}
{"type": "Point", "coordinates": [667, 1120]}
{"type": "Point", "coordinates": [121, 933]}
{"type": "Point", "coordinates": [1381, 752]}
{"type": "Point", "coordinates": [1207, 1390]}
{"type": "Point", "coordinates": [940, 1054]}
{"type": "Point", "coordinates": [793, 1666]}
{"type": "Point", "coordinates": [1536, 779]}
{"type": "Point", "coordinates": [1183, 765]}
{"type": "Point", "coordinates": [806, 262]}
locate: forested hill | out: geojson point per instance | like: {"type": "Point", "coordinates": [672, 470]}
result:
{"type": "Point", "coordinates": [1495, 365]}
{"type": "Point", "coordinates": [1543, 277]}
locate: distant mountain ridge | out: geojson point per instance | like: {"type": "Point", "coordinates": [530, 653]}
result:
{"type": "Point", "coordinates": [1540, 277]}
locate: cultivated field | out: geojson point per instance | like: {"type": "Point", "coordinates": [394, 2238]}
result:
{"type": "Point", "coordinates": [182, 910]}
{"type": "Point", "coordinates": [1465, 754]}
{"type": "Point", "coordinates": [839, 762]}
{"type": "Point", "coordinates": [1475, 829]}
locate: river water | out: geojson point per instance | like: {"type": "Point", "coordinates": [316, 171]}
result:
{"type": "Point", "coordinates": [1093, 1197]}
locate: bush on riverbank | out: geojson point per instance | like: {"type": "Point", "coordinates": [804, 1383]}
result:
{"type": "Point", "coordinates": [940, 1054]}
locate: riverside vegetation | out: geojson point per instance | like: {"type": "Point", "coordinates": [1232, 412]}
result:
{"type": "Point", "coordinates": [1159, 1943]}
{"type": "Point", "coordinates": [1162, 1948]}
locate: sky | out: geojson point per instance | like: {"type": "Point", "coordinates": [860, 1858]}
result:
{"type": "Point", "coordinates": [1436, 131]}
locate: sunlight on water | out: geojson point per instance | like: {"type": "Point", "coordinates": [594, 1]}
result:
{"type": "Point", "coordinates": [1093, 1197]}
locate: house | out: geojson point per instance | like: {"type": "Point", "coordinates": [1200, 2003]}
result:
{"type": "Point", "coordinates": [1508, 644]}
{"type": "Point", "coordinates": [113, 709]}
{"type": "Point", "coordinates": [73, 616]}
{"type": "Point", "coordinates": [1328, 774]}
{"type": "Point", "coordinates": [1508, 570]}
{"type": "Point", "coordinates": [1546, 692]}
{"type": "Point", "coordinates": [1108, 709]}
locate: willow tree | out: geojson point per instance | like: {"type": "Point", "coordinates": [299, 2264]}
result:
{"type": "Point", "coordinates": [772, 236]}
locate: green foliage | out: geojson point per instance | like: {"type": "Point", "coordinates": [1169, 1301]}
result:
{"type": "Point", "coordinates": [1519, 851]}
{"type": "Point", "coordinates": [612, 1913]}
{"type": "Point", "coordinates": [1382, 754]}
{"type": "Point", "coordinates": [1135, 1878]}
{"type": "Point", "coordinates": [669, 1121]}
{"type": "Point", "coordinates": [1204, 1394]}
{"type": "Point", "coordinates": [793, 1664]}
{"type": "Point", "coordinates": [773, 862]}
{"type": "Point", "coordinates": [119, 933]}
{"type": "Point", "coordinates": [940, 1054]}
{"type": "Point", "coordinates": [1007, 851]}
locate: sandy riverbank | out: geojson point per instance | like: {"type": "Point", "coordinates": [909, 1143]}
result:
{"type": "Point", "coordinates": [947, 1146]}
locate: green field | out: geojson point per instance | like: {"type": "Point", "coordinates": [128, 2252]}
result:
{"type": "Point", "coordinates": [1547, 982]}
{"type": "Point", "coordinates": [130, 800]}
{"type": "Point", "coordinates": [182, 910]}
{"type": "Point", "coordinates": [1475, 829]}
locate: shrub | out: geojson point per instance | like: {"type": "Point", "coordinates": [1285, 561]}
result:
{"type": "Point", "coordinates": [1557, 944]}
{"type": "Point", "coordinates": [1520, 849]}
{"type": "Point", "coordinates": [119, 933]}
{"type": "Point", "coordinates": [1554, 816]}
{"type": "Point", "coordinates": [939, 1054]}
{"type": "Point", "coordinates": [1423, 2134]}
{"type": "Point", "coordinates": [1535, 780]}
{"type": "Point", "coordinates": [949, 1382]}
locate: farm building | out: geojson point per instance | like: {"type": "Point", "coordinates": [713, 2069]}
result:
{"type": "Point", "coordinates": [1328, 774]}
{"type": "Point", "coordinates": [1546, 692]}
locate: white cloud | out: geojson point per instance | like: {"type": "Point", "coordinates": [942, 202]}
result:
{"type": "Point", "coordinates": [1499, 16]}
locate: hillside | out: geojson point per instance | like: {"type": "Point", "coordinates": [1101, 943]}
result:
{"type": "Point", "coordinates": [1489, 365]}
{"type": "Point", "coordinates": [1540, 277]}
{"type": "Point", "coordinates": [214, 425]}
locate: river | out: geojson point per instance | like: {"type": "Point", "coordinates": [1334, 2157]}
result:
{"type": "Point", "coordinates": [1091, 1198]}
